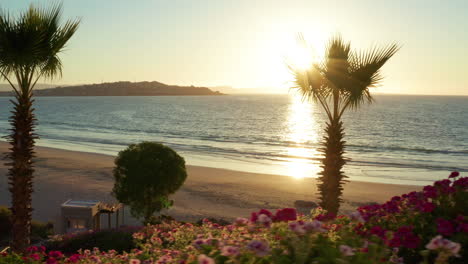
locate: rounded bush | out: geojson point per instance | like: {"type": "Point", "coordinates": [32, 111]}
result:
{"type": "Point", "coordinates": [145, 175]}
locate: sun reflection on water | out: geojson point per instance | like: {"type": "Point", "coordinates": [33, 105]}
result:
{"type": "Point", "coordinates": [302, 130]}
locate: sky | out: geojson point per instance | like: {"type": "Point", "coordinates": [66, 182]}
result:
{"type": "Point", "coordinates": [246, 44]}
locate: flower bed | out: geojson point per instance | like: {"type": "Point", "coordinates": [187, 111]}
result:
{"type": "Point", "coordinates": [430, 226]}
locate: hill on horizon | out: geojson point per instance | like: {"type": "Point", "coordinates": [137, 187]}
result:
{"type": "Point", "coordinates": [121, 89]}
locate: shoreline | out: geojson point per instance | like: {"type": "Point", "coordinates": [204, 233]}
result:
{"type": "Point", "coordinates": [207, 192]}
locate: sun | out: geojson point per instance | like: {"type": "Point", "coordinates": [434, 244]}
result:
{"type": "Point", "coordinates": [299, 55]}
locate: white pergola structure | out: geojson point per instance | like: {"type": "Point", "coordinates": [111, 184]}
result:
{"type": "Point", "coordinates": [82, 215]}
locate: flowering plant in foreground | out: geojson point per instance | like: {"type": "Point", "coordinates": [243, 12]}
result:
{"type": "Point", "coordinates": [420, 227]}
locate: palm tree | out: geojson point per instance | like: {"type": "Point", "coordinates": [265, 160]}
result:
{"type": "Point", "coordinates": [29, 49]}
{"type": "Point", "coordinates": [340, 82]}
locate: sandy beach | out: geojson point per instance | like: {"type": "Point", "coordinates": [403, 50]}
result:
{"type": "Point", "coordinates": [208, 192]}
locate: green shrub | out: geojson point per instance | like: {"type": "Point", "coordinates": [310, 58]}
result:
{"type": "Point", "coordinates": [145, 175]}
{"type": "Point", "coordinates": [116, 239]}
{"type": "Point", "coordinates": [39, 230]}
{"type": "Point", "coordinates": [5, 222]}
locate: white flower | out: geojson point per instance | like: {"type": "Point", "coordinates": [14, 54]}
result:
{"type": "Point", "coordinates": [356, 216]}
{"type": "Point", "coordinates": [346, 250]}
{"type": "Point", "coordinates": [439, 242]}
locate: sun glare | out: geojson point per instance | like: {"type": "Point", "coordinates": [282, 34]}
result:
{"type": "Point", "coordinates": [302, 129]}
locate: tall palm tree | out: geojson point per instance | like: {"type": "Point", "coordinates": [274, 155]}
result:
{"type": "Point", "coordinates": [338, 83]}
{"type": "Point", "coordinates": [30, 45]}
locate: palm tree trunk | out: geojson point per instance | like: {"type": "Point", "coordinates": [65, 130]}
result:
{"type": "Point", "coordinates": [331, 178]}
{"type": "Point", "coordinates": [21, 170]}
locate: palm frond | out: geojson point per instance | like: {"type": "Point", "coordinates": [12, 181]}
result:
{"type": "Point", "coordinates": [31, 43]}
{"type": "Point", "coordinates": [337, 61]}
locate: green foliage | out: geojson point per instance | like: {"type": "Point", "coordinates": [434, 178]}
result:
{"type": "Point", "coordinates": [12, 259]}
{"type": "Point", "coordinates": [117, 239]}
{"type": "Point", "coordinates": [5, 221]}
{"type": "Point", "coordinates": [39, 230]}
{"type": "Point", "coordinates": [145, 175]}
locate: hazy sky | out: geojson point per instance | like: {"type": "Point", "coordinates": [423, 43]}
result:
{"type": "Point", "coordinates": [244, 43]}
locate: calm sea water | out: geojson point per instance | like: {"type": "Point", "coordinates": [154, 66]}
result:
{"type": "Point", "coordinates": [398, 139]}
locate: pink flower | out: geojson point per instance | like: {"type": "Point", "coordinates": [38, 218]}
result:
{"type": "Point", "coordinates": [314, 226]}
{"type": "Point", "coordinates": [229, 251]}
{"type": "Point", "coordinates": [255, 216]}
{"type": "Point", "coordinates": [134, 261]}
{"type": "Point", "coordinates": [264, 220]}
{"type": "Point", "coordinates": [265, 212]}
{"type": "Point", "coordinates": [204, 259]}
{"type": "Point", "coordinates": [286, 214]}
{"type": "Point", "coordinates": [240, 221]}
{"type": "Point", "coordinates": [346, 250]}
{"type": "Point", "coordinates": [297, 227]}
{"type": "Point", "coordinates": [199, 242]}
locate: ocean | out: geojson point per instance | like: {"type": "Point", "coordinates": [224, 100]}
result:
{"type": "Point", "coordinates": [399, 139]}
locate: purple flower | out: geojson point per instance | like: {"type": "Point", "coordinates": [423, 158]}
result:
{"type": "Point", "coordinates": [260, 248]}
{"type": "Point", "coordinates": [454, 174]}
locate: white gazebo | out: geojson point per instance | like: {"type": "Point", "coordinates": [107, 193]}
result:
{"type": "Point", "coordinates": [81, 215]}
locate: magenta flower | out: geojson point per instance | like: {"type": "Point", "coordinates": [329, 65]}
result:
{"type": "Point", "coordinates": [55, 254]}
{"type": "Point", "coordinates": [427, 207]}
{"type": "Point", "coordinates": [51, 261]}
{"type": "Point", "coordinates": [430, 191]}
{"type": "Point", "coordinates": [286, 214]}
{"type": "Point", "coordinates": [454, 174]}
{"type": "Point", "coordinates": [378, 231]}
{"type": "Point", "coordinates": [445, 227]}
{"type": "Point", "coordinates": [35, 257]}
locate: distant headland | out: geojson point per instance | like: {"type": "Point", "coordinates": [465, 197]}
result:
{"type": "Point", "coordinates": [122, 89]}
